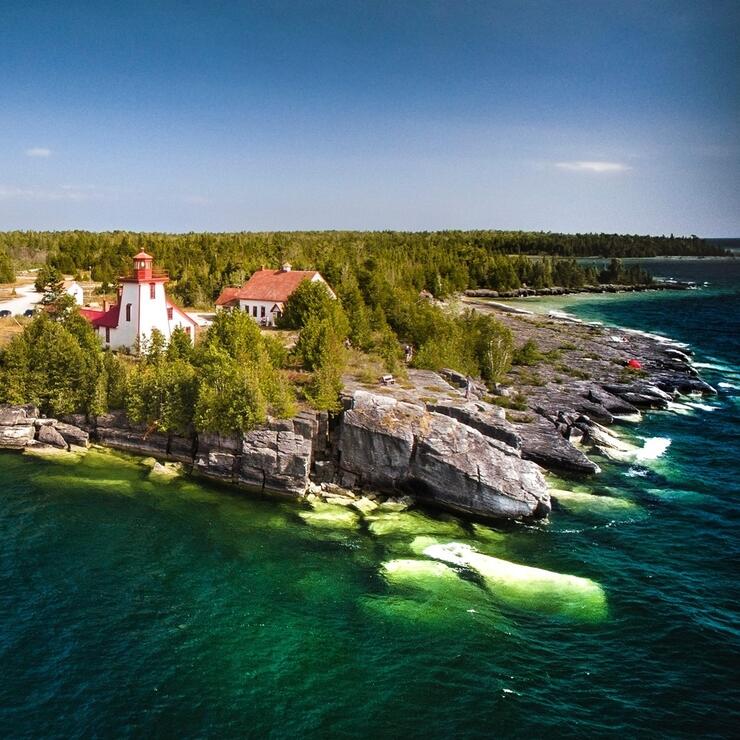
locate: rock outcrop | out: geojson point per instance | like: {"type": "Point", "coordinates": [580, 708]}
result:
{"type": "Point", "coordinates": [388, 445]}
{"type": "Point", "coordinates": [23, 427]}
{"type": "Point", "coordinates": [275, 458]}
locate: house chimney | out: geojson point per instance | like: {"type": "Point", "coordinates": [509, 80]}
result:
{"type": "Point", "coordinates": [286, 267]}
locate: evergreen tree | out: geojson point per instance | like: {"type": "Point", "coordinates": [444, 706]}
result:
{"type": "Point", "coordinates": [7, 273]}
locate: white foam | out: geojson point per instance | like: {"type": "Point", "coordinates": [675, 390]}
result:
{"type": "Point", "coordinates": [730, 386]}
{"type": "Point", "coordinates": [679, 408]}
{"type": "Point", "coordinates": [653, 448]}
{"type": "Point", "coordinates": [701, 406]}
{"type": "Point", "coordinates": [629, 418]}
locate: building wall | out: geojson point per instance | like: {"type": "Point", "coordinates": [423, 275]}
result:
{"type": "Point", "coordinates": [249, 306]}
{"type": "Point", "coordinates": [75, 290]}
{"type": "Point", "coordinates": [147, 313]}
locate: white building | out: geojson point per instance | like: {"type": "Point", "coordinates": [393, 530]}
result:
{"type": "Point", "coordinates": [73, 288]}
{"type": "Point", "coordinates": [265, 293]}
{"type": "Point", "coordinates": [142, 307]}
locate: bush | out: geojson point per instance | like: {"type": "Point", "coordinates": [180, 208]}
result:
{"type": "Point", "coordinates": [527, 354]}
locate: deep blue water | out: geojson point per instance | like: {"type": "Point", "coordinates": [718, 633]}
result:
{"type": "Point", "coordinates": [132, 608]}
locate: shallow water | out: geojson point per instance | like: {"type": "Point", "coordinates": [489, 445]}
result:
{"type": "Point", "coordinates": [134, 608]}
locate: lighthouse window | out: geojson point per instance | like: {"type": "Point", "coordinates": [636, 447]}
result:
{"type": "Point", "coordinates": [152, 290]}
{"type": "Point", "coordinates": [128, 312]}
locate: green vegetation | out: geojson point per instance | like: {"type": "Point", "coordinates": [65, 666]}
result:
{"type": "Point", "coordinates": [528, 354]}
{"type": "Point", "coordinates": [228, 382]}
{"type": "Point", "coordinates": [439, 262]}
{"type": "Point", "coordinates": [7, 273]}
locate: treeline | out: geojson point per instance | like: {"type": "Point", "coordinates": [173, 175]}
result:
{"type": "Point", "coordinates": [444, 262]}
{"type": "Point", "coordinates": [231, 380]}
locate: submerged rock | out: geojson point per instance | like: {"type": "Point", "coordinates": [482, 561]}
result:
{"type": "Point", "coordinates": [526, 587]}
{"type": "Point", "coordinates": [577, 502]}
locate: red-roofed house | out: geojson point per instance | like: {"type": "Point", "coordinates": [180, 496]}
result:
{"type": "Point", "coordinates": [142, 307]}
{"type": "Point", "coordinates": [265, 293]}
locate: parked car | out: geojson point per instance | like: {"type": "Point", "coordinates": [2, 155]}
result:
{"type": "Point", "coordinates": [29, 312]}
{"type": "Point", "coordinates": [5, 313]}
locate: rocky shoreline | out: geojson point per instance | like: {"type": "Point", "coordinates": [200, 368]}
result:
{"type": "Point", "coordinates": [421, 438]}
{"type": "Point", "coordinates": [601, 288]}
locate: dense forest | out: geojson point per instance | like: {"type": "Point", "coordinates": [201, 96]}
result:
{"type": "Point", "coordinates": [444, 262]}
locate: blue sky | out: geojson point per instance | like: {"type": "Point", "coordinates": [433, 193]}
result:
{"type": "Point", "coordinates": [222, 115]}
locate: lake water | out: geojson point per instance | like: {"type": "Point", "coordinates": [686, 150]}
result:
{"type": "Point", "coordinates": [131, 608]}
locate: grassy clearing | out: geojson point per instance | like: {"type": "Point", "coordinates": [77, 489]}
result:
{"type": "Point", "coordinates": [10, 327]}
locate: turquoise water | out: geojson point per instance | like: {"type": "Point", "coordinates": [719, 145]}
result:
{"type": "Point", "coordinates": [134, 608]}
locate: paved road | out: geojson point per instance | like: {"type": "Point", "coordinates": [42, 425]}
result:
{"type": "Point", "coordinates": [26, 298]}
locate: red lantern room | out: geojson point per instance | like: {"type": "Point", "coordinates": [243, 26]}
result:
{"type": "Point", "coordinates": [143, 266]}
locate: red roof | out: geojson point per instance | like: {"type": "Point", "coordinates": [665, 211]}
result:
{"type": "Point", "coordinates": [97, 318]}
{"type": "Point", "coordinates": [143, 256]}
{"type": "Point", "coordinates": [227, 296]}
{"type": "Point", "coordinates": [267, 285]}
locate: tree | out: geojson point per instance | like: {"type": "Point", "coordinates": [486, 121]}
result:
{"type": "Point", "coordinates": [50, 282]}
{"type": "Point", "coordinates": [7, 273]}
{"type": "Point", "coordinates": [230, 397]}
{"type": "Point", "coordinates": [180, 346]}
{"type": "Point", "coordinates": [162, 395]}
{"type": "Point", "coordinates": [494, 347]}
{"type": "Point", "coordinates": [356, 311]}
{"type": "Point", "coordinates": [312, 300]}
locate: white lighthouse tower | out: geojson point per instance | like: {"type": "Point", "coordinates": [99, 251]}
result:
{"type": "Point", "coordinates": [142, 307]}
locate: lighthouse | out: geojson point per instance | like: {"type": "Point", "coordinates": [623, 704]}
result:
{"type": "Point", "coordinates": [142, 307]}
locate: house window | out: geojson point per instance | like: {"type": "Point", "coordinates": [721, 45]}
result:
{"type": "Point", "coordinates": [187, 330]}
{"type": "Point", "coordinates": [128, 312]}
{"type": "Point", "coordinates": [254, 311]}
{"type": "Point", "coordinates": [262, 312]}
{"type": "Point", "coordinates": [169, 313]}
{"type": "Point", "coordinates": [152, 290]}
{"type": "Point", "coordinates": [107, 335]}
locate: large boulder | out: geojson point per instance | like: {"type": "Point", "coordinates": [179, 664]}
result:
{"type": "Point", "coordinates": [389, 444]}
{"type": "Point", "coordinates": [16, 437]}
{"type": "Point", "coordinates": [12, 415]}
{"type": "Point", "coordinates": [376, 439]}
{"type": "Point", "coordinates": [459, 468]}
{"type": "Point", "coordinates": [72, 435]}
{"type": "Point", "coordinates": [48, 435]}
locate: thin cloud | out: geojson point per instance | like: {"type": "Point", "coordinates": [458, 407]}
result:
{"type": "Point", "coordinates": [64, 192]}
{"type": "Point", "coordinates": [197, 200]}
{"type": "Point", "coordinates": [38, 151]}
{"type": "Point", "coordinates": [589, 166]}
